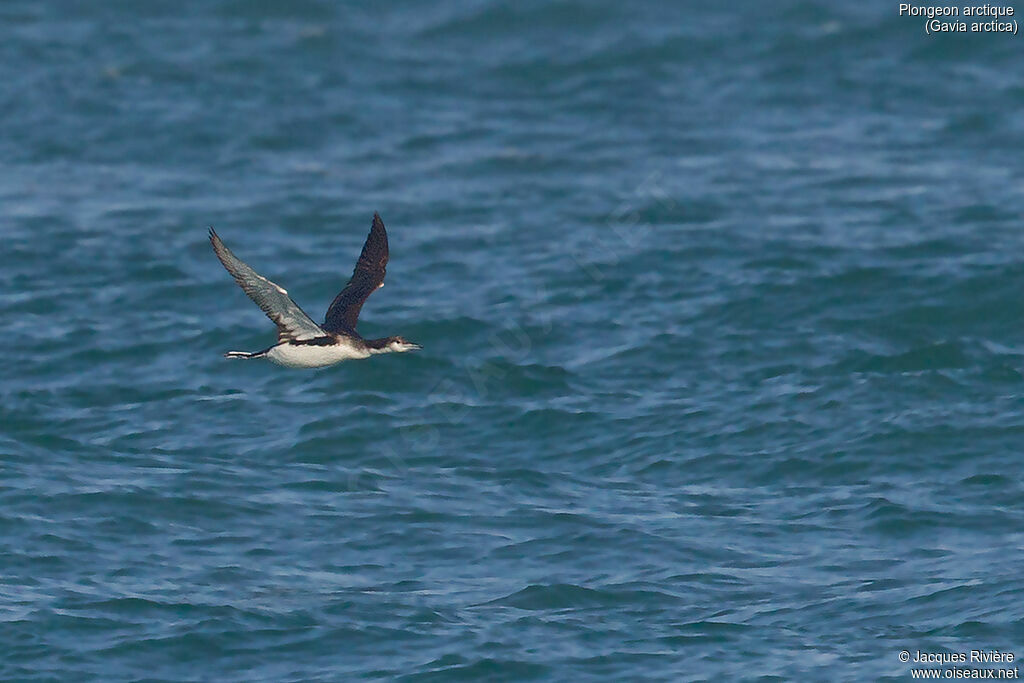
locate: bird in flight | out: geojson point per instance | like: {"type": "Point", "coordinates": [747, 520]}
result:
{"type": "Point", "coordinates": [301, 343]}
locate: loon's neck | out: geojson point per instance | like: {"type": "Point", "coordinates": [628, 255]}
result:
{"type": "Point", "coordinates": [378, 345]}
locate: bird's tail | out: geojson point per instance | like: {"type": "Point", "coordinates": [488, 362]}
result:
{"type": "Point", "coordinates": [244, 354]}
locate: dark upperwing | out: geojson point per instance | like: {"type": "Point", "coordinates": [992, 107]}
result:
{"type": "Point", "coordinates": [366, 278]}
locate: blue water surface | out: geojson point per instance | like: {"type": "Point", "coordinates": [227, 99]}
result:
{"type": "Point", "coordinates": [723, 328]}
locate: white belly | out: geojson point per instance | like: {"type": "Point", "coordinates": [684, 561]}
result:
{"type": "Point", "coordinates": [311, 356]}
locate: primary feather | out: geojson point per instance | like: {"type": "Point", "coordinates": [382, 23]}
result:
{"type": "Point", "coordinates": [367, 277]}
{"type": "Point", "coordinates": [292, 322]}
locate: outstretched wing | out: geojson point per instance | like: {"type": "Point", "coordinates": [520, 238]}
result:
{"type": "Point", "coordinates": [292, 323]}
{"type": "Point", "coordinates": [367, 277]}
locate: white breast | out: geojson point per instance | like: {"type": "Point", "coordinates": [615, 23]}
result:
{"type": "Point", "coordinates": [312, 356]}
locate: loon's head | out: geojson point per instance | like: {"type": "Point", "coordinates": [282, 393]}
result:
{"type": "Point", "coordinates": [392, 345]}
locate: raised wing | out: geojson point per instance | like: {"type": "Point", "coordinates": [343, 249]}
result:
{"type": "Point", "coordinates": [292, 323]}
{"type": "Point", "coordinates": [367, 277]}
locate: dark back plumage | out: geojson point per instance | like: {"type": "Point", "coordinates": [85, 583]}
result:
{"type": "Point", "coordinates": [367, 277]}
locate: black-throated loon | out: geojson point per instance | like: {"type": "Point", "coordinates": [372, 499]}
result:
{"type": "Point", "coordinates": [301, 343]}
